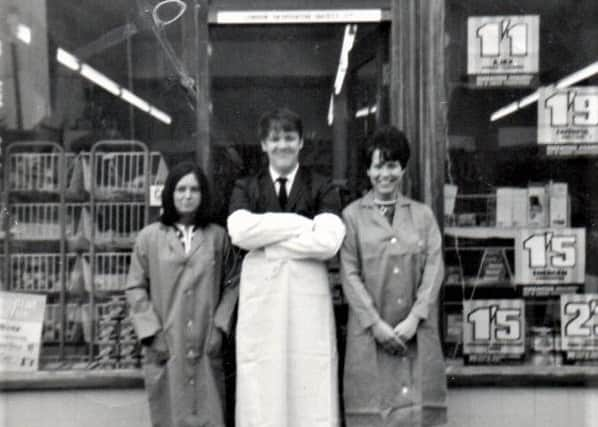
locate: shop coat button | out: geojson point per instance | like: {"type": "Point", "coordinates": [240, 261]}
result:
{"type": "Point", "coordinates": [191, 354]}
{"type": "Point", "coordinates": [396, 270]}
{"type": "Point", "coordinates": [400, 301]}
{"type": "Point", "coordinates": [393, 240]}
{"type": "Point", "coordinates": [190, 324]}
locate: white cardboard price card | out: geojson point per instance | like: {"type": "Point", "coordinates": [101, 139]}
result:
{"type": "Point", "coordinates": [568, 115]}
{"type": "Point", "coordinates": [494, 327]}
{"type": "Point", "coordinates": [21, 321]}
{"type": "Point", "coordinates": [503, 50]}
{"type": "Point", "coordinates": [155, 199]}
{"type": "Point", "coordinates": [550, 256]}
{"type": "Point", "coordinates": [579, 325]}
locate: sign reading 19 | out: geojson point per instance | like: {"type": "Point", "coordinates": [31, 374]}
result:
{"type": "Point", "coordinates": [570, 108]}
{"type": "Point", "coordinates": [493, 34]}
{"type": "Point", "coordinates": [547, 250]}
{"type": "Point", "coordinates": [495, 323]}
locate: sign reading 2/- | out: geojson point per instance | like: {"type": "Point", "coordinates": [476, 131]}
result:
{"type": "Point", "coordinates": [568, 116]}
{"type": "Point", "coordinates": [503, 45]}
{"type": "Point", "coordinates": [550, 256]}
{"type": "Point", "coordinates": [579, 324]}
{"type": "Point", "coordinates": [494, 327]}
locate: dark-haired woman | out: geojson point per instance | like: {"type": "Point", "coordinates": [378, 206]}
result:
{"type": "Point", "coordinates": [392, 269]}
{"type": "Point", "coordinates": [182, 292]}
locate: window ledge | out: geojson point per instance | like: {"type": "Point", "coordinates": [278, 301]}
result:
{"type": "Point", "coordinates": [522, 376]}
{"type": "Point", "coordinates": [74, 379]}
{"type": "Point", "coordinates": [457, 376]}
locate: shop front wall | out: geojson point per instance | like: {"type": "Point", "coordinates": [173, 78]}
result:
{"type": "Point", "coordinates": [500, 104]}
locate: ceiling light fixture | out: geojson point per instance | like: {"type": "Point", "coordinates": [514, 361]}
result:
{"type": "Point", "coordinates": [566, 81]}
{"type": "Point", "coordinates": [72, 62]}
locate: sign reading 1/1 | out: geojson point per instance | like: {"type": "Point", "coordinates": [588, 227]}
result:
{"type": "Point", "coordinates": [568, 116]}
{"type": "Point", "coordinates": [579, 326]}
{"type": "Point", "coordinates": [493, 330]}
{"type": "Point", "coordinates": [503, 50]}
{"type": "Point", "coordinates": [550, 256]}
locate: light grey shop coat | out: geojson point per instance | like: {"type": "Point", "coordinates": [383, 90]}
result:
{"type": "Point", "coordinates": [389, 271]}
{"type": "Point", "coordinates": [185, 297]}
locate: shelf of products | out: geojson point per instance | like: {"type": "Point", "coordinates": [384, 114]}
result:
{"type": "Point", "coordinates": [71, 225]}
{"type": "Point", "coordinates": [515, 290]}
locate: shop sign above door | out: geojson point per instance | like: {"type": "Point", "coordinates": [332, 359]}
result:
{"type": "Point", "coordinates": [503, 50]}
{"type": "Point", "coordinates": [298, 16]}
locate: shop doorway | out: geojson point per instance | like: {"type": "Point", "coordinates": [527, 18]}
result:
{"type": "Point", "coordinates": [334, 75]}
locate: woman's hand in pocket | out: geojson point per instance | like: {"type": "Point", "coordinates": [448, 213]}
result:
{"type": "Point", "coordinates": [215, 342]}
{"type": "Point", "coordinates": [156, 349]}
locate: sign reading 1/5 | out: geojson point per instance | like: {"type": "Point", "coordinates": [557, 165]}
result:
{"type": "Point", "coordinates": [494, 327]}
{"type": "Point", "coordinates": [579, 323]}
{"type": "Point", "coordinates": [550, 256]}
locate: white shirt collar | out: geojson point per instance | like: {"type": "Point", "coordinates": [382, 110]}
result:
{"type": "Point", "coordinates": [290, 176]}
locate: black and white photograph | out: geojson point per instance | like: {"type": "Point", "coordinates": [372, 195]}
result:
{"type": "Point", "coordinates": [298, 213]}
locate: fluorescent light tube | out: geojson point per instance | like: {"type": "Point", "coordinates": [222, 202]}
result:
{"type": "Point", "coordinates": [331, 110]}
{"type": "Point", "coordinates": [133, 99]}
{"type": "Point", "coordinates": [66, 59]}
{"type": "Point", "coordinates": [160, 115]}
{"type": "Point", "coordinates": [100, 79]}
{"type": "Point", "coordinates": [566, 81]}
{"type": "Point", "coordinates": [24, 33]}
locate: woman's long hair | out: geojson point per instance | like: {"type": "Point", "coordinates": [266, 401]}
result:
{"type": "Point", "coordinates": [203, 215]}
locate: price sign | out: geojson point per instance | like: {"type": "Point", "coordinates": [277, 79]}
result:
{"type": "Point", "coordinates": [550, 256]}
{"type": "Point", "coordinates": [155, 199]}
{"type": "Point", "coordinates": [568, 116]}
{"type": "Point", "coordinates": [503, 50]}
{"type": "Point", "coordinates": [21, 321]}
{"type": "Point", "coordinates": [494, 329]}
{"type": "Point", "coordinates": [579, 326]}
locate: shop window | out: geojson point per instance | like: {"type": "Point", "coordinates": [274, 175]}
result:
{"type": "Point", "coordinates": [520, 200]}
{"type": "Point", "coordinates": [93, 109]}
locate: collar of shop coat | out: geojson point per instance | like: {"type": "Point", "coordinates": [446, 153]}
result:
{"type": "Point", "coordinates": [368, 200]}
{"type": "Point", "coordinates": [400, 220]}
{"type": "Point", "coordinates": [175, 243]}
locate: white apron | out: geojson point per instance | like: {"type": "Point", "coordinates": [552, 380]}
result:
{"type": "Point", "coordinates": [286, 342]}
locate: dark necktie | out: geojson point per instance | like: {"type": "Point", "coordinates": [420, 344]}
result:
{"type": "Point", "coordinates": [282, 192]}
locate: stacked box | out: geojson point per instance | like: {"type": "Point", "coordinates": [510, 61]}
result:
{"type": "Point", "coordinates": [558, 204]}
{"type": "Point", "coordinates": [118, 346]}
{"type": "Point", "coordinates": [537, 206]}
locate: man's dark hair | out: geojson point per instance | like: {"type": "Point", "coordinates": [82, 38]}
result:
{"type": "Point", "coordinates": [392, 143]}
{"type": "Point", "coordinates": [170, 216]}
{"type": "Point", "coordinates": [280, 119]}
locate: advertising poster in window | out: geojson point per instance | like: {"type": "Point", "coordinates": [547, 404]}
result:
{"type": "Point", "coordinates": [503, 50]}
{"type": "Point", "coordinates": [568, 120]}
{"type": "Point", "coordinates": [550, 256]}
{"type": "Point", "coordinates": [493, 330]}
{"type": "Point", "coordinates": [579, 326]}
{"type": "Point", "coordinates": [21, 321]}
